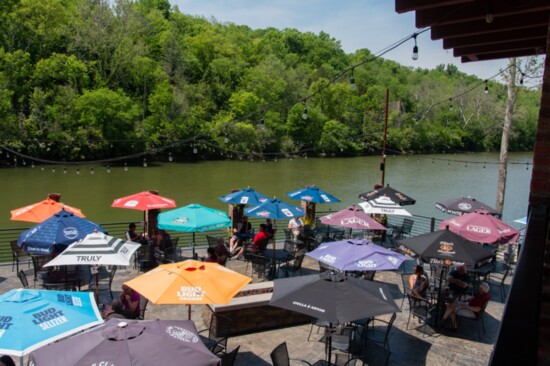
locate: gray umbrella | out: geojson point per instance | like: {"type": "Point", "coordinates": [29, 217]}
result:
{"type": "Point", "coordinates": [130, 343]}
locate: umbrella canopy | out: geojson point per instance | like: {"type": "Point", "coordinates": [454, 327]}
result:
{"type": "Point", "coordinates": [312, 194]}
{"type": "Point", "coordinates": [33, 318]}
{"type": "Point", "coordinates": [40, 211]}
{"type": "Point", "coordinates": [356, 255]}
{"type": "Point", "coordinates": [189, 282]}
{"type": "Point", "coordinates": [96, 249]}
{"type": "Point", "coordinates": [522, 221]}
{"type": "Point", "coordinates": [387, 191]}
{"type": "Point", "coordinates": [144, 201]}
{"type": "Point", "coordinates": [352, 217]}
{"type": "Point", "coordinates": [60, 230]}
{"type": "Point", "coordinates": [350, 298]}
{"type": "Point", "coordinates": [464, 205]}
{"type": "Point", "coordinates": [274, 209]}
{"type": "Point", "coordinates": [383, 206]}
{"type": "Point", "coordinates": [445, 247]}
{"type": "Point", "coordinates": [246, 196]}
{"type": "Point", "coordinates": [193, 218]}
{"type": "Point", "coordinates": [130, 343]}
{"type": "Point", "coordinates": [481, 227]}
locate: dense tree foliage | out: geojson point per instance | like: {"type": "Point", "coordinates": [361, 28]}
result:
{"type": "Point", "coordinates": [97, 79]}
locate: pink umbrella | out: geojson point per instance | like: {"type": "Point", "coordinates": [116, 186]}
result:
{"type": "Point", "coordinates": [482, 227]}
{"type": "Point", "coordinates": [352, 217]}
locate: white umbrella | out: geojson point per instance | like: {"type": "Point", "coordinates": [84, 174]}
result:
{"type": "Point", "coordinates": [383, 206]}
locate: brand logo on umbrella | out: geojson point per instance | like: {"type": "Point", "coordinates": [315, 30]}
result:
{"type": "Point", "coordinates": [180, 220]}
{"type": "Point", "coordinates": [287, 212]}
{"type": "Point", "coordinates": [70, 232]}
{"type": "Point", "coordinates": [182, 334]}
{"type": "Point", "coordinates": [308, 306]}
{"type": "Point", "coordinates": [244, 200]}
{"type": "Point", "coordinates": [5, 324]}
{"type": "Point", "coordinates": [392, 260]}
{"type": "Point", "coordinates": [367, 263]}
{"type": "Point", "coordinates": [354, 220]}
{"type": "Point", "coordinates": [478, 229]}
{"type": "Point", "coordinates": [446, 248]}
{"type": "Point", "coordinates": [263, 213]}
{"type": "Point", "coordinates": [190, 293]}
{"type": "Point", "coordinates": [49, 318]}
{"type": "Point", "coordinates": [306, 198]}
{"type": "Point", "coordinates": [327, 258]}
{"type": "Point", "coordinates": [131, 203]}
{"type": "Point", "coordinates": [465, 206]}
{"type": "Point", "coordinates": [100, 363]}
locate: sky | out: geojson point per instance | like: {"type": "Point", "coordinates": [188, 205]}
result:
{"type": "Point", "coordinates": [357, 24]}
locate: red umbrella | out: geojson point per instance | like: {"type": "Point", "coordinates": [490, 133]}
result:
{"type": "Point", "coordinates": [352, 217]}
{"type": "Point", "coordinates": [144, 201]}
{"type": "Point", "coordinates": [482, 227]}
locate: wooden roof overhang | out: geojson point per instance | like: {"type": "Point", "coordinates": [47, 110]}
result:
{"type": "Point", "coordinates": [479, 30]}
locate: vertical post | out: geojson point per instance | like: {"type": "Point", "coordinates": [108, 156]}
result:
{"type": "Point", "coordinates": [383, 164]}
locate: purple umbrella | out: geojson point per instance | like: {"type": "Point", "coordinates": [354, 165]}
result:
{"type": "Point", "coordinates": [356, 255]}
{"type": "Point", "coordinates": [352, 217]}
{"type": "Point", "coordinates": [130, 343]}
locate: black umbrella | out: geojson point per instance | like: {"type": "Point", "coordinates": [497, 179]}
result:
{"type": "Point", "coordinates": [464, 205]}
{"type": "Point", "coordinates": [396, 196]}
{"type": "Point", "coordinates": [333, 297]}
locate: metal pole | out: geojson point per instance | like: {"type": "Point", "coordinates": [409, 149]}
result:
{"type": "Point", "coordinates": [383, 164]}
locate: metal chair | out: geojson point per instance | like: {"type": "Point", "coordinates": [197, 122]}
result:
{"type": "Point", "coordinates": [229, 358]}
{"type": "Point", "coordinates": [218, 333]}
{"type": "Point", "coordinates": [478, 319]}
{"type": "Point", "coordinates": [497, 279]}
{"type": "Point", "coordinates": [38, 262]}
{"type": "Point", "coordinates": [142, 307]}
{"type": "Point", "coordinates": [405, 279]}
{"type": "Point", "coordinates": [280, 357]}
{"type": "Point", "coordinates": [23, 278]}
{"type": "Point", "coordinates": [419, 308]}
{"type": "Point", "coordinates": [18, 255]}
{"type": "Point", "coordinates": [381, 337]}
{"type": "Point", "coordinates": [296, 265]}
{"type": "Point", "coordinates": [103, 283]}
{"type": "Point", "coordinates": [259, 264]}
{"type": "Point", "coordinates": [212, 241]}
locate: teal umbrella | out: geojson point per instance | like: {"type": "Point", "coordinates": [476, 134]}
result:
{"type": "Point", "coordinates": [193, 218]}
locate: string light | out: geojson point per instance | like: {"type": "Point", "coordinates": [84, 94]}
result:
{"type": "Point", "coordinates": [170, 158]}
{"type": "Point", "coordinates": [92, 171]}
{"type": "Point", "coordinates": [53, 168]}
{"type": "Point", "coordinates": [125, 167]}
{"type": "Point", "coordinates": [352, 85]}
{"type": "Point", "coordinates": [415, 48]}
{"type": "Point", "coordinates": [450, 104]}
{"type": "Point", "coordinates": [78, 171]}
{"type": "Point", "coordinates": [304, 114]}
{"type": "Point", "coordinates": [64, 170]}
{"type": "Point", "coordinates": [144, 163]}
{"type": "Point", "coordinates": [32, 164]}
{"type": "Point", "coordinates": [486, 91]}
{"type": "Point", "coordinates": [42, 167]}
{"type": "Point", "coordinates": [108, 168]}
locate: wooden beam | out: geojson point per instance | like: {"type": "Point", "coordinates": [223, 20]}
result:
{"type": "Point", "coordinates": [481, 27]}
{"type": "Point", "coordinates": [492, 38]}
{"type": "Point", "coordinates": [403, 6]}
{"type": "Point", "coordinates": [501, 55]}
{"type": "Point", "coordinates": [477, 11]}
{"type": "Point", "coordinates": [501, 47]}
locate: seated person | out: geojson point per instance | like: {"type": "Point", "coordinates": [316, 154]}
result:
{"type": "Point", "coordinates": [296, 225]}
{"type": "Point", "coordinates": [115, 310]}
{"type": "Point", "coordinates": [130, 302]}
{"type": "Point", "coordinates": [211, 255]}
{"type": "Point", "coordinates": [259, 243]}
{"type": "Point", "coordinates": [419, 282]}
{"type": "Point", "coordinates": [221, 251]}
{"type": "Point", "coordinates": [240, 233]}
{"type": "Point", "coordinates": [458, 281]}
{"type": "Point", "coordinates": [132, 235]}
{"type": "Point", "coordinates": [468, 308]}
{"type": "Point", "coordinates": [163, 240]}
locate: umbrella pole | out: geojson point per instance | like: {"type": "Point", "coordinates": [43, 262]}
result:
{"type": "Point", "coordinates": [189, 311]}
{"type": "Point", "coordinates": [194, 257]}
{"type": "Point", "coordinates": [329, 338]}
{"type": "Point", "coordinates": [97, 287]}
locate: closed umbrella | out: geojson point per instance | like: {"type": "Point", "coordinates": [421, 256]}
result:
{"type": "Point", "coordinates": [189, 282]}
{"type": "Point", "coordinates": [464, 205]}
{"type": "Point", "coordinates": [130, 343]}
{"type": "Point", "coordinates": [40, 211]}
{"type": "Point", "coordinates": [482, 227]}
{"type": "Point", "coordinates": [387, 191]}
{"type": "Point", "coordinates": [31, 319]}
{"type": "Point", "coordinates": [57, 232]}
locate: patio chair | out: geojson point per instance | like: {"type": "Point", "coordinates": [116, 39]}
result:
{"type": "Point", "coordinates": [145, 258]}
{"type": "Point", "coordinates": [350, 342]}
{"type": "Point", "coordinates": [497, 279]}
{"type": "Point", "coordinates": [38, 262]}
{"type": "Point", "coordinates": [296, 265]}
{"type": "Point", "coordinates": [170, 251]}
{"type": "Point", "coordinates": [143, 301]}
{"type": "Point", "coordinates": [320, 324]}
{"type": "Point", "coordinates": [381, 336]}
{"type": "Point", "coordinates": [23, 278]}
{"type": "Point", "coordinates": [405, 279]}
{"type": "Point", "coordinates": [229, 358]}
{"type": "Point", "coordinates": [103, 283]}
{"type": "Point", "coordinates": [280, 357]}
{"type": "Point", "coordinates": [212, 241]}
{"type": "Point", "coordinates": [478, 319]}
{"type": "Point", "coordinates": [218, 333]}
{"type": "Point", "coordinates": [259, 264]}
{"type": "Point", "coordinates": [18, 255]}
{"type": "Point", "coordinates": [421, 309]}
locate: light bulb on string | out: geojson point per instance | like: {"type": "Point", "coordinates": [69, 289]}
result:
{"type": "Point", "coordinates": [24, 162]}
{"type": "Point", "coordinates": [486, 90]}
{"type": "Point", "coordinates": [78, 171]}
{"type": "Point", "coordinates": [352, 85]}
{"type": "Point", "coordinates": [170, 158]}
{"type": "Point", "coordinates": [92, 171]}
{"type": "Point", "coordinates": [53, 169]}
{"type": "Point", "coordinates": [304, 114]}
{"type": "Point", "coordinates": [527, 166]}
{"type": "Point", "coordinates": [7, 155]}
{"type": "Point", "coordinates": [144, 163]}
{"type": "Point", "coordinates": [15, 160]}
{"type": "Point", "coordinates": [108, 168]}
{"type": "Point", "coordinates": [484, 165]}
{"type": "Point", "coordinates": [448, 162]}
{"type": "Point", "coordinates": [465, 164]}
{"type": "Point", "coordinates": [226, 139]}
{"type": "Point", "coordinates": [125, 167]}
{"type": "Point", "coordinates": [32, 164]}
{"type": "Point", "coordinates": [450, 104]}
{"type": "Point", "coordinates": [433, 161]}
{"type": "Point", "coordinates": [521, 79]}
{"type": "Point", "coordinates": [64, 170]}
{"type": "Point", "coordinates": [42, 167]}
{"type": "Point", "coordinates": [195, 150]}
{"type": "Point", "coordinates": [415, 49]}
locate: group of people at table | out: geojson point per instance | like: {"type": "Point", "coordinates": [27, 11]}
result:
{"type": "Point", "coordinates": [454, 295]}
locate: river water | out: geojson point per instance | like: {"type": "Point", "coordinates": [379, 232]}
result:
{"type": "Point", "coordinates": [427, 178]}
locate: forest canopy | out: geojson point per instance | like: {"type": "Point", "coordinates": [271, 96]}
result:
{"type": "Point", "coordinates": [85, 80]}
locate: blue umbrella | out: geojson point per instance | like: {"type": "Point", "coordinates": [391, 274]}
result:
{"type": "Point", "coordinates": [274, 209]}
{"type": "Point", "coordinates": [246, 196]}
{"type": "Point", "coordinates": [312, 194]}
{"type": "Point", "coordinates": [31, 319]}
{"type": "Point", "coordinates": [57, 232]}
{"type": "Point", "coordinates": [193, 218]}
{"type": "Point", "coordinates": [357, 255]}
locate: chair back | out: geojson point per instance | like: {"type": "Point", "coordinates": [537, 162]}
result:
{"type": "Point", "coordinates": [338, 235]}
{"type": "Point", "coordinates": [407, 227]}
{"type": "Point", "coordinates": [389, 326]}
{"type": "Point", "coordinates": [288, 234]}
{"type": "Point", "coordinates": [112, 275]}
{"type": "Point", "coordinates": [298, 260]}
{"type": "Point", "coordinates": [16, 250]}
{"type": "Point", "coordinates": [259, 264]}
{"type": "Point", "coordinates": [289, 247]}
{"type": "Point", "coordinates": [23, 277]}
{"type": "Point", "coordinates": [212, 241]}
{"type": "Point", "coordinates": [279, 355]}
{"type": "Point", "coordinates": [143, 301]}
{"type": "Point", "coordinates": [405, 279]}
{"type": "Point", "coordinates": [229, 358]}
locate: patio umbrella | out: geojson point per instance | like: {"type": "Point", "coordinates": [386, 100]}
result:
{"type": "Point", "coordinates": [60, 230]}
{"type": "Point", "coordinates": [383, 206]}
{"type": "Point", "coordinates": [352, 217]}
{"type": "Point", "coordinates": [193, 218]}
{"type": "Point", "coordinates": [96, 249]}
{"type": "Point", "coordinates": [143, 201]}
{"type": "Point", "coordinates": [357, 255]}
{"type": "Point", "coordinates": [40, 211]}
{"type": "Point", "coordinates": [522, 221]}
{"type": "Point", "coordinates": [274, 209]}
{"type": "Point", "coordinates": [130, 343]}
{"type": "Point", "coordinates": [312, 194]}
{"type": "Point", "coordinates": [482, 227]}
{"type": "Point", "coordinates": [33, 318]}
{"type": "Point", "coordinates": [246, 196]}
{"type": "Point", "coordinates": [333, 297]}
{"type": "Point", "coordinates": [189, 282]}
{"type": "Point", "coordinates": [464, 205]}
{"type": "Point", "coordinates": [387, 191]}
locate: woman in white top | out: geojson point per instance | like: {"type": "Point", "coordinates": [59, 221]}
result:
{"type": "Point", "coordinates": [296, 225]}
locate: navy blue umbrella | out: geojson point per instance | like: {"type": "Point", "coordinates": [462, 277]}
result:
{"type": "Point", "coordinates": [56, 233]}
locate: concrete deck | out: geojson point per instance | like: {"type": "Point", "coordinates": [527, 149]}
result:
{"type": "Point", "coordinates": [408, 347]}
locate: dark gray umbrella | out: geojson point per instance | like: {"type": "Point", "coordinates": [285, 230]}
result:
{"type": "Point", "coordinates": [130, 343]}
{"type": "Point", "coordinates": [333, 297]}
{"type": "Point", "coordinates": [400, 198]}
{"type": "Point", "coordinates": [464, 205]}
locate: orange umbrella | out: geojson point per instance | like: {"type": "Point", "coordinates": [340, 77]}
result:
{"type": "Point", "coordinates": [42, 210]}
{"type": "Point", "coordinates": [189, 282]}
